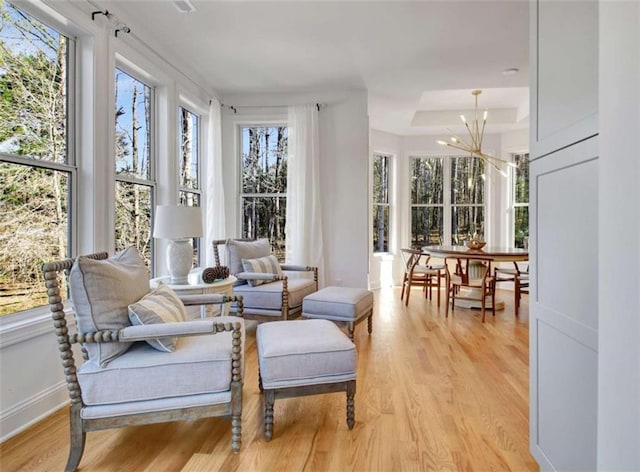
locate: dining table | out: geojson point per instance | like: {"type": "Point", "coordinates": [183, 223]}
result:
{"type": "Point", "coordinates": [489, 253]}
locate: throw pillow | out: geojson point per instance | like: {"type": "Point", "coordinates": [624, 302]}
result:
{"type": "Point", "coordinates": [238, 250]}
{"type": "Point", "coordinates": [162, 305]}
{"type": "Point", "coordinates": [101, 291]}
{"type": "Point", "coordinates": [262, 265]}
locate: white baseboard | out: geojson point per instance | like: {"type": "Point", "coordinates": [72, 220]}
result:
{"type": "Point", "coordinates": [31, 410]}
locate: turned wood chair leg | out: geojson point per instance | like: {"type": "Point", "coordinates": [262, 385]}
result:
{"type": "Point", "coordinates": [260, 381]}
{"type": "Point", "coordinates": [351, 392]}
{"type": "Point", "coordinates": [269, 400]}
{"type": "Point", "coordinates": [351, 328]}
{"type": "Point", "coordinates": [78, 438]}
{"type": "Point", "coordinates": [370, 323]}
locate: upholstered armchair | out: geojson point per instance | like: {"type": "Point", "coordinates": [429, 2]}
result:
{"type": "Point", "coordinates": [270, 290]}
{"type": "Point", "coordinates": [143, 363]}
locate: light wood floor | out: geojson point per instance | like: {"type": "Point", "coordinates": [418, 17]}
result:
{"type": "Point", "coordinates": [432, 394]}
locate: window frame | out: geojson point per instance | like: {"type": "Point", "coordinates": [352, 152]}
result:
{"type": "Point", "coordinates": [240, 125]}
{"type": "Point", "coordinates": [152, 183]}
{"type": "Point", "coordinates": [374, 205]}
{"type": "Point", "coordinates": [512, 192]}
{"type": "Point", "coordinates": [70, 167]}
{"type": "Point", "coordinates": [447, 205]}
{"type": "Point", "coordinates": [196, 191]}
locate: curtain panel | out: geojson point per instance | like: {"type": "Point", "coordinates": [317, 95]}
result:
{"type": "Point", "coordinates": [214, 190]}
{"type": "Point", "coordinates": [304, 240]}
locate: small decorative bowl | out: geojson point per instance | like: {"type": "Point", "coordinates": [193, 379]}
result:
{"type": "Point", "coordinates": [475, 244]}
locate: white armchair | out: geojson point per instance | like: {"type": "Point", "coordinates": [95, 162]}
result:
{"type": "Point", "coordinates": [270, 290]}
{"type": "Point", "coordinates": [162, 370]}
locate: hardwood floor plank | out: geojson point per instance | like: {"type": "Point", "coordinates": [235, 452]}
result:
{"type": "Point", "coordinates": [433, 393]}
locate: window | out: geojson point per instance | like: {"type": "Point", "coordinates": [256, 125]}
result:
{"type": "Point", "coordinates": [447, 200]}
{"type": "Point", "coordinates": [521, 200]}
{"type": "Point", "coordinates": [189, 159]}
{"type": "Point", "coordinates": [264, 184]}
{"type": "Point", "coordinates": [37, 166]}
{"type": "Point", "coordinates": [427, 201]}
{"type": "Point", "coordinates": [467, 199]}
{"type": "Point", "coordinates": [134, 164]}
{"type": "Point", "coordinates": [381, 164]}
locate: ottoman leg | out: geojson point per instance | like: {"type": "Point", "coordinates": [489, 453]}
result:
{"type": "Point", "coordinates": [260, 381]}
{"type": "Point", "coordinates": [351, 391]}
{"type": "Point", "coordinates": [269, 400]}
{"type": "Point", "coordinates": [351, 327]}
{"type": "Point", "coordinates": [370, 323]}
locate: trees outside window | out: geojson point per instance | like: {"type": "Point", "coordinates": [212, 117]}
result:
{"type": "Point", "coordinates": [381, 163]}
{"type": "Point", "coordinates": [134, 164]}
{"type": "Point", "coordinates": [37, 167]}
{"type": "Point", "coordinates": [521, 199]}
{"type": "Point", "coordinates": [467, 199]}
{"type": "Point", "coordinates": [447, 200]}
{"type": "Point", "coordinates": [427, 201]}
{"type": "Point", "coordinates": [264, 184]}
{"type": "Point", "coordinates": [189, 163]}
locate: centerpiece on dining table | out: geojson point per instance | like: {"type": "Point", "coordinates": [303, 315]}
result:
{"type": "Point", "coordinates": [475, 243]}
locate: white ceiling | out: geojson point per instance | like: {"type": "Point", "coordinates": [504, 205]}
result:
{"type": "Point", "coordinates": [417, 59]}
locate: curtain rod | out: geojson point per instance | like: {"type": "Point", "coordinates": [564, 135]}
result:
{"type": "Point", "coordinates": [234, 108]}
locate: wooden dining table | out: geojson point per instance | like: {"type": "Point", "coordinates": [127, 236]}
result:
{"type": "Point", "coordinates": [489, 253]}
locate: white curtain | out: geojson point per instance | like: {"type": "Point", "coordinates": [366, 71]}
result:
{"type": "Point", "coordinates": [304, 241]}
{"type": "Point", "coordinates": [214, 185]}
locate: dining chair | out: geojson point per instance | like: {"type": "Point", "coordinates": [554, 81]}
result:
{"type": "Point", "coordinates": [471, 273]}
{"type": "Point", "coordinates": [418, 272]}
{"type": "Point", "coordinates": [519, 277]}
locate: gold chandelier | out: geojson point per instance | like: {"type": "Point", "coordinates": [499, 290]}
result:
{"type": "Point", "coordinates": [476, 133]}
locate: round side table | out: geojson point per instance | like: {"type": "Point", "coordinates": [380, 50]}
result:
{"type": "Point", "coordinates": [195, 286]}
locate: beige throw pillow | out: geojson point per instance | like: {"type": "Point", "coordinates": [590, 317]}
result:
{"type": "Point", "coordinates": [238, 250]}
{"type": "Point", "coordinates": [262, 265]}
{"type": "Point", "coordinates": [101, 292]}
{"type": "Point", "coordinates": [162, 305]}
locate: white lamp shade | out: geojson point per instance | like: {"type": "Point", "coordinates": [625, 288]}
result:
{"type": "Point", "coordinates": [177, 222]}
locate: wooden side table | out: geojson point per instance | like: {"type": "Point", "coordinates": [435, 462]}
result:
{"type": "Point", "coordinates": [195, 286]}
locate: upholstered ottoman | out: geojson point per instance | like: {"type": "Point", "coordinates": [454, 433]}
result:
{"type": "Point", "coordinates": [304, 357]}
{"type": "Point", "coordinates": [340, 304]}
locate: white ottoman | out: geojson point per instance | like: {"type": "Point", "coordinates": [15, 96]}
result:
{"type": "Point", "coordinates": [304, 357]}
{"type": "Point", "coordinates": [340, 304]}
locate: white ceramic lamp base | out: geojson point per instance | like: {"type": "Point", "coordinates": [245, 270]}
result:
{"type": "Point", "coordinates": [180, 260]}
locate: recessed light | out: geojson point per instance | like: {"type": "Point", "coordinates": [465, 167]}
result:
{"type": "Point", "coordinates": [511, 71]}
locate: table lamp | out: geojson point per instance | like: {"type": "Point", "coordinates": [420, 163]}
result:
{"type": "Point", "coordinates": [179, 224]}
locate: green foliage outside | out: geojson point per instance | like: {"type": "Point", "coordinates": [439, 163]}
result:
{"type": "Point", "coordinates": [34, 202]}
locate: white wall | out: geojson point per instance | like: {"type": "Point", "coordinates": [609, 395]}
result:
{"type": "Point", "coordinates": [619, 238]}
{"type": "Point", "coordinates": [402, 147]}
{"type": "Point", "coordinates": [344, 150]}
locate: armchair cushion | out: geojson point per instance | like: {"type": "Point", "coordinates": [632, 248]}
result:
{"type": "Point", "coordinates": [269, 296]}
{"type": "Point", "coordinates": [238, 250]}
{"type": "Point", "coordinates": [161, 305]}
{"type": "Point", "coordinates": [200, 365]}
{"type": "Point", "coordinates": [101, 291]}
{"type": "Point", "coordinates": [262, 265]}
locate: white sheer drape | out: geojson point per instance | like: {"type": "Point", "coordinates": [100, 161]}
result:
{"type": "Point", "coordinates": [214, 186]}
{"type": "Point", "coordinates": [304, 241]}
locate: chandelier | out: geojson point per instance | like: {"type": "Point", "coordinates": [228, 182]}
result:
{"type": "Point", "coordinates": [476, 133]}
